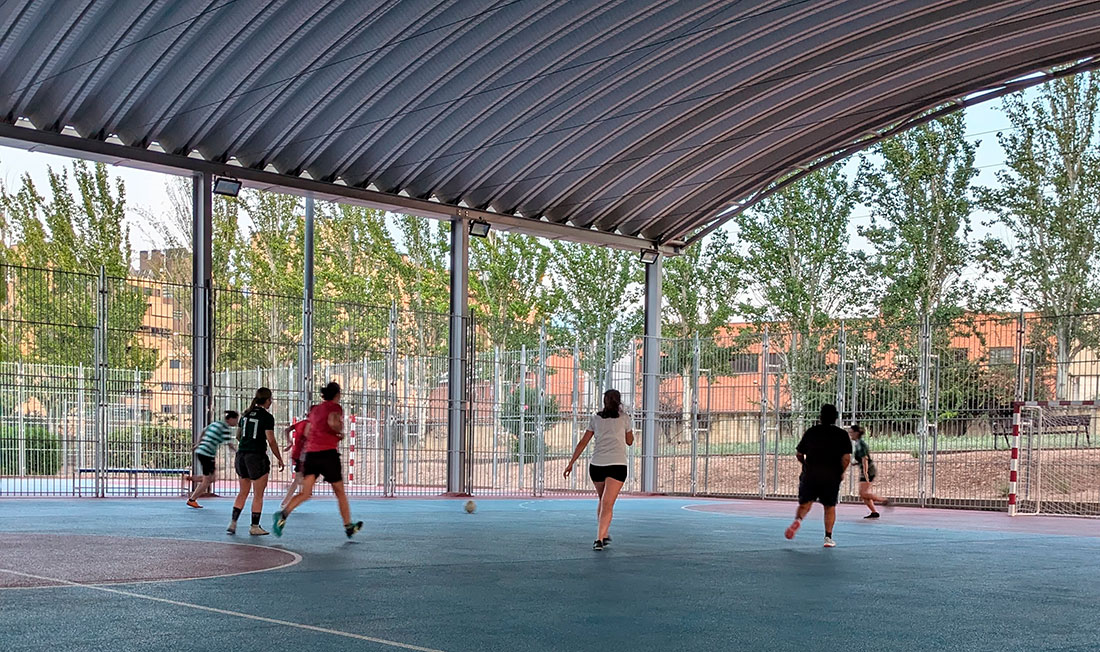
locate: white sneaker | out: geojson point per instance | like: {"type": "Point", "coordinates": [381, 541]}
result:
{"type": "Point", "coordinates": [232, 529]}
{"type": "Point", "coordinates": [829, 543]}
{"type": "Point", "coordinates": [257, 531]}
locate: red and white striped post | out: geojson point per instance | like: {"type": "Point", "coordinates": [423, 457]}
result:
{"type": "Point", "coordinates": [1014, 465]}
{"type": "Point", "coordinates": [351, 451]}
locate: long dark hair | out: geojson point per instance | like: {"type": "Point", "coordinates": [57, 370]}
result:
{"type": "Point", "coordinates": [263, 395]}
{"type": "Point", "coordinates": [612, 405]}
{"type": "Point", "coordinates": [330, 391]}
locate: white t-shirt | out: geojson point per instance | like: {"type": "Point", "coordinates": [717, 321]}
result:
{"type": "Point", "coordinates": [609, 440]}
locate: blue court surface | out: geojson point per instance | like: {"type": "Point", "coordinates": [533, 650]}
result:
{"type": "Point", "coordinates": [682, 574]}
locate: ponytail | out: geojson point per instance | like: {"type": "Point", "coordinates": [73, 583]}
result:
{"type": "Point", "coordinates": [612, 405]}
{"type": "Point", "coordinates": [263, 395]}
{"type": "Point", "coordinates": [330, 391]}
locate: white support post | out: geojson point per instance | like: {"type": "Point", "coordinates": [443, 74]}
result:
{"type": "Point", "coordinates": [456, 372]}
{"type": "Point", "coordinates": [651, 378]}
{"type": "Point", "coordinates": [202, 318]}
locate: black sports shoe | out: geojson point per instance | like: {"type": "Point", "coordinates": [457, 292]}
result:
{"type": "Point", "coordinates": [607, 542]}
{"type": "Point", "coordinates": [352, 528]}
{"type": "Point", "coordinates": [872, 515]}
{"type": "Point", "coordinates": [598, 545]}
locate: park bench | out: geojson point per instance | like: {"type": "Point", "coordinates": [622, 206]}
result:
{"type": "Point", "coordinates": [1053, 424]}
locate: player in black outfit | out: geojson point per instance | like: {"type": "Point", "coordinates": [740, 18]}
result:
{"type": "Point", "coordinates": [256, 437]}
{"type": "Point", "coordinates": [825, 452]}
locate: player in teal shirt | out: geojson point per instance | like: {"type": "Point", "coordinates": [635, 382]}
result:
{"type": "Point", "coordinates": [861, 455]}
{"type": "Point", "coordinates": [216, 434]}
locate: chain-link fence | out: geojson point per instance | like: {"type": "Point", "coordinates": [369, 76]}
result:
{"type": "Point", "coordinates": [96, 392]}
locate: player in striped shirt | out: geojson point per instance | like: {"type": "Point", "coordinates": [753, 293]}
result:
{"type": "Point", "coordinates": [216, 434]}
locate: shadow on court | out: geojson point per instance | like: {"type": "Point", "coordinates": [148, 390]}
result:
{"type": "Point", "coordinates": [520, 575]}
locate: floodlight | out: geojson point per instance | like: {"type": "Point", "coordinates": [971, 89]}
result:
{"type": "Point", "coordinates": [226, 186]}
{"type": "Point", "coordinates": [650, 256]}
{"type": "Point", "coordinates": [479, 229]}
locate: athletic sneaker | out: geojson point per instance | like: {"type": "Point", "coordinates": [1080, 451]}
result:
{"type": "Point", "coordinates": [792, 528]}
{"type": "Point", "coordinates": [598, 545]}
{"type": "Point", "coordinates": [257, 531]}
{"type": "Point", "coordinates": [232, 529]}
{"type": "Point", "coordinates": [277, 523]}
{"type": "Point", "coordinates": [872, 515]}
{"type": "Point", "coordinates": [193, 503]}
{"type": "Point", "coordinates": [829, 543]}
{"type": "Point", "coordinates": [607, 542]}
{"type": "Point", "coordinates": [352, 528]}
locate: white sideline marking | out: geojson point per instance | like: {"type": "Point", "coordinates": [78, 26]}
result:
{"type": "Point", "coordinates": [226, 612]}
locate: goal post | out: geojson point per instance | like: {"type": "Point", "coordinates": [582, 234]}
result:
{"type": "Point", "coordinates": [1055, 459]}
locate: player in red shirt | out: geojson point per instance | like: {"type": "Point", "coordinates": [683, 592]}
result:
{"type": "Point", "coordinates": [296, 433]}
{"type": "Point", "coordinates": [323, 435]}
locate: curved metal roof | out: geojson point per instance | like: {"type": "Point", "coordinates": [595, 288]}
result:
{"type": "Point", "coordinates": [645, 118]}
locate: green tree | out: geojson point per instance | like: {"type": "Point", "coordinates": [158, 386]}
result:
{"type": "Point", "coordinates": [799, 270]}
{"type": "Point", "coordinates": [1047, 200]}
{"type": "Point", "coordinates": [918, 185]}
{"type": "Point", "coordinates": [598, 293]}
{"type": "Point", "coordinates": [66, 238]}
{"type": "Point", "coordinates": [510, 295]}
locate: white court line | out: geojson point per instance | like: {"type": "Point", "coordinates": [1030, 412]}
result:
{"type": "Point", "coordinates": [226, 612]}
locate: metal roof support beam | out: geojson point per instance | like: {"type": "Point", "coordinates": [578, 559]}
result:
{"type": "Point", "coordinates": [457, 355]}
{"type": "Point", "coordinates": [305, 351]}
{"type": "Point", "coordinates": [202, 313]}
{"type": "Point", "coordinates": [150, 159]}
{"type": "Point", "coordinates": [651, 376]}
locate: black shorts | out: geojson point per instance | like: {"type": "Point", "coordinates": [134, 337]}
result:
{"type": "Point", "coordinates": [602, 473]}
{"type": "Point", "coordinates": [252, 465]}
{"type": "Point", "coordinates": [206, 463]}
{"type": "Point", "coordinates": [325, 464]}
{"type": "Point", "coordinates": [870, 477]}
{"type": "Point", "coordinates": [824, 490]}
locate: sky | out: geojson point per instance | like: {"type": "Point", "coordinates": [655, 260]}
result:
{"type": "Point", "coordinates": [146, 194]}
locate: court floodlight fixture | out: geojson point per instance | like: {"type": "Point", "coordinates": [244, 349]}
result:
{"type": "Point", "coordinates": [480, 229]}
{"type": "Point", "coordinates": [227, 186]}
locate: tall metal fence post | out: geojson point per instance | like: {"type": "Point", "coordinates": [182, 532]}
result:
{"type": "Point", "coordinates": [695, 352]}
{"type": "Point", "coordinates": [609, 364]}
{"type": "Point", "coordinates": [82, 433]}
{"type": "Point", "coordinates": [521, 445]}
{"type": "Point", "coordinates": [101, 413]}
{"type": "Point", "coordinates": [21, 429]}
{"type": "Point", "coordinates": [842, 372]}
{"type": "Point", "coordinates": [496, 410]}
{"type": "Point", "coordinates": [1021, 326]}
{"type": "Point", "coordinates": [924, 375]}
{"type": "Point", "coordinates": [390, 412]}
{"type": "Point", "coordinates": [540, 443]}
{"type": "Point", "coordinates": [765, 353]}
{"type": "Point", "coordinates": [576, 399]}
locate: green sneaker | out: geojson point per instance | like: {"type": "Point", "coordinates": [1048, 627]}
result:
{"type": "Point", "coordinates": [278, 523]}
{"type": "Point", "coordinates": [351, 528]}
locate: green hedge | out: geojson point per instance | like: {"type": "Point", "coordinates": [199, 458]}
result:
{"type": "Point", "coordinates": [42, 451]}
{"type": "Point", "coordinates": [162, 447]}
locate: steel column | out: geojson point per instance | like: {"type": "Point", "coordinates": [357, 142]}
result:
{"type": "Point", "coordinates": [305, 352]}
{"type": "Point", "coordinates": [651, 373]}
{"type": "Point", "coordinates": [456, 372]}
{"type": "Point", "coordinates": [202, 317]}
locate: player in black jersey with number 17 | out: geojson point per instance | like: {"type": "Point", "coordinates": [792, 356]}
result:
{"type": "Point", "coordinates": [257, 435]}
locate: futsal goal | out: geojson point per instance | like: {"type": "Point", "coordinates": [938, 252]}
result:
{"type": "Point", "coordinates": [1055, 463]}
